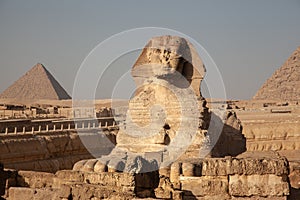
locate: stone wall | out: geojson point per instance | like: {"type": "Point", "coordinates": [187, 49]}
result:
{"type": "Point", "coordinates": [249, 176]}
{"type": "Point", "coordinates": [46, 152]}
{"type": "Point", "coordinates": [277, 136]}
{"type": "Point", "coordinates": [68, 184]}
{"type": "Point", "coordinates": [269, 131]}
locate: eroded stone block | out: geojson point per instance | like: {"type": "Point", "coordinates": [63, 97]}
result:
{"type": "Point", "coordinates": [258, 185]}
{"type": "Point", "coordinates": [70, 176]}
{"type": "Point", "coordinates": [17, 193]}
{"type": "Point", "coordinates": [205, 185]}
{"type": "Point", "coordinates": [245, 165]}
{"type": "Point", "coordinates": [35, 179]}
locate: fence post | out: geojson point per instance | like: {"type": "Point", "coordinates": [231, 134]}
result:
{"type": "Point", "coordinates": [47, 128]}
{"type": "Point", "coordinates": [76, 125]}
{"type": "Point", "coordinates": [23, 129]}
{"type": "Point", "coordinates": [61, 127]}
{"type": "Point", "coordinates": [15, 130]}
{"type": "Point", "coordinates": [100, 125]}
{"type": "Point", "coordinates": [54, 127]}
{"type": "Point", "coordinates": [40, 128]}
{"type": "Point", "coordinates": [32, 129]}
{"type": "Point", "coordinates": [69, 126]}
{"type": "Point", "coordinates": [82, 125]}
{"type": "Point", "coordinates": [6, 130]}
{"type": "Point", "coordinates": [89, 125]}
{"type": "Point", "coordinates": [94, 125]}
{"type": "Point", "coordinates": [106, 124]}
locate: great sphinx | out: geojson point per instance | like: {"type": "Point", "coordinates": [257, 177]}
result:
{"type": "Point", "coordinates": [167, 118]}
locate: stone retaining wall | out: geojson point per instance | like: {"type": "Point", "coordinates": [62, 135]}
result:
{"type": "Point", "coordinates": [246, 177]}
{"type": "Point", "coordinates": [233, 178]}
{"type": "Point", "coordinates": [68, 184]}
{"type": "Point", "coordinates": [277, 136]}
{"type": "Point", "coordinates": [48, 152]}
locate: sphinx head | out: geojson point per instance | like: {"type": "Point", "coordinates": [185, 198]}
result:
{"type": "Point", "coordinates": [169, 56]}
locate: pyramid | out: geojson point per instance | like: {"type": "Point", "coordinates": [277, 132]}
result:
{"type": "Point", "coordinates": [284, 84]}
{"type": "Point", "coordinates": [37, 83]}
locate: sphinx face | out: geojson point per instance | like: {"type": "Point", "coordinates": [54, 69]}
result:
{"type": "Point", "coordinates": [164, 62]}
{"type": "Point", "coordinates": [169, 58]}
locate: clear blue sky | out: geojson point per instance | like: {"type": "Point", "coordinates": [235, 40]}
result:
{"type": "Point", "coordinates": [248, 39]}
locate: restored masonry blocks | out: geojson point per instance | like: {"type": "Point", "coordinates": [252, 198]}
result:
{"type": "Point", "coordinates": [197, 180]}
{"type": "Point", "coordinates": [205, 186]}
{"type": "Point", "coordinates": [259, 185]}
{"type": "Point", "coordinates": [66, 183]}
{"type": "Point", "coordinates": [45, 152]}
{"type": "Point", "coordinates": [249, 175]}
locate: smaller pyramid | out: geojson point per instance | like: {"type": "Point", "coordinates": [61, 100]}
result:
{"type": "Point", "coordinates": [284, 84]}
{"type": "Point", "coordinates": [37, 83]}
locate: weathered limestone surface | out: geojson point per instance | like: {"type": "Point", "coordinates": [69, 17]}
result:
{"type": "Point", "coordinates": [259, 185]}
{"type": "Point", "coordinates": [245, 165]}
{"type": "Point", "coordinates": [252, 175]}
{"type": "Point", "coordinates": [277, 136]}
{"type": "Point", "coordinates": [205, 186]}
{"type": "Point", "coordinates": [260, 198]}
{"type": "Point", "coordinates": [167, 66]}
{"type": "Point", "coordinates": [16, 193]}
{"type": "Point", "coordinates": [231, 141]}
{"type": "Point", "coordinates": [44, 152]}
{"type": "Point", "coordinates": [294, 177]}
{"type": "Point", "coordinates": [167, 54]}
{"type": "Point", "coordinates": [246, 177]}
{"type": "Point", "coordinates": [34, 179]}
{"type": "Point", "coordinates": [67, 183]}
{"type": "Point", "coordinates": [279, 132]}
{"type": "Point", "coordinates": [219, 197]}
{"type": "Point", "coordinates": [156, 115]}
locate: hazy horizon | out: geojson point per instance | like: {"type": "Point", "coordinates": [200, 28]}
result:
{"type": "Point", "coordinates": [248, 40]}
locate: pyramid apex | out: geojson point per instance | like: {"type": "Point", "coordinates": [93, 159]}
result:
{"type": "Point", "coordinates": [284, 84]}
{"type": "Point", "coordinates": [39, 65]}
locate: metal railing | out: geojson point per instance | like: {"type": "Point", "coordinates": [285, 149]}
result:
{"type": "Point", "coordinates": [62, 127]}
